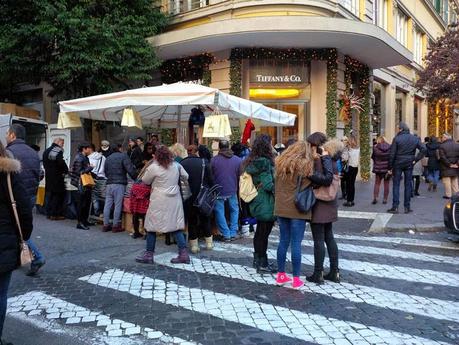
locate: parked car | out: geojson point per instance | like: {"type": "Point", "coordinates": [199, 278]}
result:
{"type": "Point", "coordinates": [451, 214]}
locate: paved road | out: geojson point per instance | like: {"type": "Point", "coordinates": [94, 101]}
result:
{"type": "Point", "coordinates": [399, 289]}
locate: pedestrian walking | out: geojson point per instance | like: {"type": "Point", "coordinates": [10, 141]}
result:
{"type": "Point", "coordinates": [381, 158]}
{"type": "Point", "coordinates": [417, 173]}
{"type": "Point", "coordinates": [139, 200]}
{"type": "Point", "coordinates": [402, 159]}
{"type": "Point", "coordinates": [433, 163]}
{"type": "Point", "coordinates": [260, 166]}
{"type": "Point", "coordinates": [199, 174]}
{"type": "Point", "coordinates": [135, 154]}
{"type": "Point", "coordinates": [118, 166]}
{"type": "Point", "coordinates": [29, 177]}
{"type": "Point", "coordinates": [344, 167]}
{"type": "Point", "coordinates": [9, 236]}
{"type": "Point", "coordinates": [352, 157]}
{"type": "Point", "coordinates": [293, 167]}
{"type": "Point", "coordinates": [81, 166]}
{"type": "Point", "coordinates": [55, 171]}
{"type": "Point", "coordinates": [226, 171]}
{"type": "Point", "coordinates": [449, 168]}
{"type": "Point", "coordinates": [324, 213]}
{"type": "Point", "coordinates": [165, 212]}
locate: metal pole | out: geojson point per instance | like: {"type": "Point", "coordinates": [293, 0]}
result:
{"type": "Point", "coordinates": [179, 125]}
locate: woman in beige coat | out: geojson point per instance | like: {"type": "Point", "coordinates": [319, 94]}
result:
{"type": "Point", "coordinates": [165, 212]}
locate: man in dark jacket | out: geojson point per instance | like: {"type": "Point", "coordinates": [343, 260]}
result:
{"type": "Point", "coordinates": [402, 160]}
{"type": "Point", "coordinates": [9, 248]}
{"type": "Point", "coordinates": [199, 172]}
{"type": "Point", "coordinates": [55, 171]}
{"type": "Point", "coordinates": [449, 160]}
{"type": "Point", "coordinates": [117, 166]}
{"type": "Point", "coordinates": [226, 171]}
{"type": "Point", "coordinates": [81, 166]}
{"type": "Point", "coordinates": [29, 176]}
{"type": "Point", "coordinates": [135, 154]}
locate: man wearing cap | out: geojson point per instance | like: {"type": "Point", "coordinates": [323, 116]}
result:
{"type": "Point", "coordinates": [81, 166]}
{"type": "Point", "coordinates": [226, 171]}
{"type": "Point", "coordinates": [402, 160]}
{"type": "Point", "coordinates": [105, 148]}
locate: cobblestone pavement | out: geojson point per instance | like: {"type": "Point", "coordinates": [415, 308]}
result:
{"type": "Point", "coordinates": [395, 290]}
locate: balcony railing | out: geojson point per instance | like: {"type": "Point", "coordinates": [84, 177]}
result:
{"type": "Point", "coordinates": [180, 6]}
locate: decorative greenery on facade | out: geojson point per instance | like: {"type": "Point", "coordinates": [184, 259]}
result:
{"type": "Point", "coordinates": [329, 55]}
{"type": "Point", "coordinates": [361, 74]}
{"type": "Point", "coordinates": [187, 69]}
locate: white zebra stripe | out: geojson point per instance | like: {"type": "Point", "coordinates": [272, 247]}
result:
{"type": "Point", "coordinates": [377, 270]}
{"type": "Point", "coordinates": [266, 317]}
{"type": "Point", "coordinates": [36, 303]}
{"type": "Point", "coordinates": [429, 307]}
{"type": "Point", "coordinates": [384, 251]}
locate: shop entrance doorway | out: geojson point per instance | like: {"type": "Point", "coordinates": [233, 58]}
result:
{"type": "Point", "coordinates": [298, 131]}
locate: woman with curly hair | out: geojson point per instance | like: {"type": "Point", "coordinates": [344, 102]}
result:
{"type": "Point", "coordinates": [260, 165]}
{"type": "Point", "coordinates": [165, 212]}
{"type": "Point", "coordinates": [293, 166]}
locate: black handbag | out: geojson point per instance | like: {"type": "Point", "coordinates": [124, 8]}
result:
{"type": "Point", "coordinates": [207, 197]}
{"type": "Point", "coordinates": [304, 199]}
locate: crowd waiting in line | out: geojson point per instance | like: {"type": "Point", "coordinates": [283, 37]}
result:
{"type": "Point", "coordinates": [293, 184]}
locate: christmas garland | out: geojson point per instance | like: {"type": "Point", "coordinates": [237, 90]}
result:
{"type": "Point", "coordinates": [329, 55]}
{"type": "Point", "coordinates": [186, 69]}
{"type": "Point", "coordinates": [363, 75]}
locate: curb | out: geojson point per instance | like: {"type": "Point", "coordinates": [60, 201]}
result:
{"type": "Point", "coordinates": [433, 227]}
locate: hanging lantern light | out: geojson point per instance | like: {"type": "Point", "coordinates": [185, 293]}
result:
{"type": "Point", "coordinates": [131, 118]}
{"type": "Point", "coordinates": [68, 120]}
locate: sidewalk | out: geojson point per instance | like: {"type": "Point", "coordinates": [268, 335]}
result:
{"type": "Point", "coordinates": [427, 209]}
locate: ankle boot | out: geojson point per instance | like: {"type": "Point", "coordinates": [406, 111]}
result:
{"type": "Point", "coordinates": [194, 246]}
{"type": "Point", "coordinates": [136, 234]}
{"type": "Point", "coordinates": [182, 258]}
{"type": "Point", "coordinates": [333, 276]}
{"type": "Point", "coordinates": [146, 257]}
{"type": "Point", "coordinates": [317, 277]}
{"type": "Point", "coordinates": [264, 266]}
{"type": "Point", "coordinates": [117, 228]}
{"type": "Point", "coordinates": [256, 260]}
{"type": "Point", "coordinates": [209, 243]}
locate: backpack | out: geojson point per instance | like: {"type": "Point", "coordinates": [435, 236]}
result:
{"type": "Point", "coordinates": [247, 190]}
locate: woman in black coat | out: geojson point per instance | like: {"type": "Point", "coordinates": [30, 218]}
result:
{"type": "Point", "coordinates": [433, 163]}
{"type": "Point", "coordinates": [9, 235]}
{"type": "Point", "coordinates": [381, 158]}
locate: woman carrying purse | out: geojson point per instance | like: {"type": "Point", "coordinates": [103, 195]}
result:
{"type": "Point", "coordinates": [9, 231]}
{"type": "Point", "coordinates": [324, 213]}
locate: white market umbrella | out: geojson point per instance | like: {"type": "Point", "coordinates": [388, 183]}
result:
{"type": "Point", "coordinates": [172, 102]}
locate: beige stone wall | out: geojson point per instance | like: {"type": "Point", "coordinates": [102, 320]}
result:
{"type": "Point", "coordinates": [318, 120]}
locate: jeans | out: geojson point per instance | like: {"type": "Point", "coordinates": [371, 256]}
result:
{"type": "Point", "coordinates": [408, 178]}
{"type": "Point", "coordinates": [378, 179]}
{"type": "Point", "coordinates": [291, 232]}
{"type": "Point", "coordinates": [321, 234]}
{"type": "Point", "coordinates": [433, 176]}
{"type": "Point", "coordinates": [114, 196]}
{"type": "Point", "coordinates": [260, 240]}
{"type": "Point", "coordinates": [4, 283]}
{"type": "Point", "coordinates": [226, 230]}
{"type": "Point", "coordinates": [84, 203]}
{"type": "Point", "coordinates": [179, 238]}
{"type": "Point", "coordinates": [37, 256]}
{"type": "Point", "coordinates": [350, 183]}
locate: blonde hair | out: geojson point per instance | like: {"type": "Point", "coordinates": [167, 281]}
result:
{"type": "Point", "coordinates": [381, 139]}
{"type": "Point", "coordinates": [178, 150]}
{"type": "Point", "coordinates": [353, 142]}
{"type": "Point", "coordinates": [297, 159]}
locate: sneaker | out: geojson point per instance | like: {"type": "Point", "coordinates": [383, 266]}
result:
{"type": "Point", "coordinates": [282, 278]}
{"type": "Point", "coordinates": [393, 210]}
{"type": "Point", "coordinates": [297, 283]}
{"type": "Point", "coordinates": [374, 202]}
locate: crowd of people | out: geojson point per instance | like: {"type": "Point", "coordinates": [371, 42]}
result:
{"type": "Point", "coordinates": [155, 177]}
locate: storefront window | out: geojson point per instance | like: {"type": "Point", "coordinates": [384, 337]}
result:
{"type": "Point", "coordinates": [284, 86]}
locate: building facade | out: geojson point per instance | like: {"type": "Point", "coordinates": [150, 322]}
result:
{"type": "Point", "coordinates": [339, 65]}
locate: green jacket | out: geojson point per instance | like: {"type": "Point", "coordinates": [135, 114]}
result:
{"type": "Point", "coordinates": [262, 172]}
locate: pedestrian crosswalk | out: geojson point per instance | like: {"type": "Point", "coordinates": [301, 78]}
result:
{"type": "Point", "coordinates": [365, 314]}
